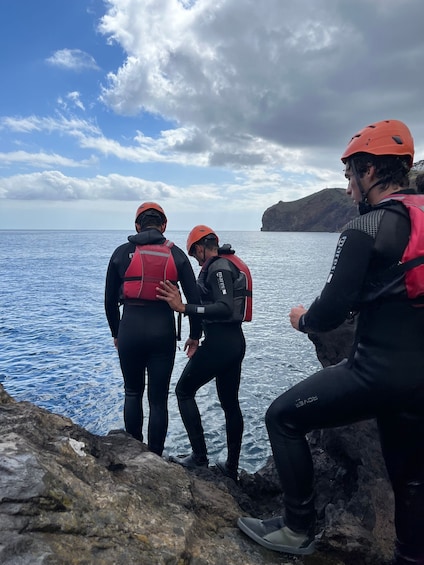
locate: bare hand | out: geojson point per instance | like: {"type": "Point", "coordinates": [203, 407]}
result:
{"type": "Point", "coordinates": [295, 315]}
{"type": "Point", "coordinates": [170, 293]}
{"type": "Point", "coordinates": [191, 346]}
{"type": "Point", "coordinates": [115, 342]}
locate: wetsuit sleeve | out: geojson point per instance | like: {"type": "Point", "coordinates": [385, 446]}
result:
{"type": "Point", "coordinates": [220, 282]}
{"type": "Point", "coordinates": [344, 283]}
{"type": "Point", "coordinates": [191, 293]}
{"type": "Point", "coordinates": [112, 289]}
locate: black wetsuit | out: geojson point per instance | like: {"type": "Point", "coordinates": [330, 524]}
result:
{"type": "Point", "coordinates": [146, 339]}
{"type": "Point", "coordinates": [220, 356]}
{"type": "Point", "coordinates": [382, 379]}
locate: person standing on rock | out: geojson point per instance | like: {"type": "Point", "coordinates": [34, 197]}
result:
{"type": "Point", "coordinates": [377, 274]}
{"type": "Point", "coordinates": [225, 290]}
{"type": "Point", "coordinates": [145, 336]}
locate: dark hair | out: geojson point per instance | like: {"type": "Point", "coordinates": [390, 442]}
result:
{"type": "Point", "coordinates": [390, 168]}
{"type": "Point", "coordinates": [150, 219]}
{"type": "Point", "coordinates": [210, 242]}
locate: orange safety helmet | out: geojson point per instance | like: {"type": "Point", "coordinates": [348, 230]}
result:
{"type": "Point", "coordinates": [198, 233]}
{"type": "Point", "coordinates": [388, 137]}
{"type": "Point", "coordinates": [150, 206]}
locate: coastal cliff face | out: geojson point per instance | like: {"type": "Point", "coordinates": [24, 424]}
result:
{"type": "Point", "coordinates": [70, 497]}
{"type": "Point", "coordinates": [325, 211]}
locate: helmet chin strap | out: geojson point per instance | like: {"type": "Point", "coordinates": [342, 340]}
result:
{"type": "Point", "coordinates": [364, 206]}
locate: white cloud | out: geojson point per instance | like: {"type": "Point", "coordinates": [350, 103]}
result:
{"type": "Point", "coordinates": [72, 59]}
{"type": "Point", "coordinates": [54, 185]}
{"type": "Point", "coordinates": [72, 99]}
{"type": "Point", "coordinates": [59, 123]}
{"type": "Point", "coordinates": [37, 160]}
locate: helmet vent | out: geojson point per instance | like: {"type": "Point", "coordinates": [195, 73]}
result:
{"type": "Point", "coordinates": [397, 139]}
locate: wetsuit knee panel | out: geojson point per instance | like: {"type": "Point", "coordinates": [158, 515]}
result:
{"type": "Point", "coordinates": [278, 420]}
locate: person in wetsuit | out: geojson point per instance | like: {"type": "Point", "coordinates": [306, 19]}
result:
{"type": "Point", "coordinates": [219, 356]}
{"type": "Point", "coordinates": [145, 336]}
{"type": "Point", "coordinates": [384, 376]}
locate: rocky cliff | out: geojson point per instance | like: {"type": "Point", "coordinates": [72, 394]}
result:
{"type": "Point", "coordinates": [325, 211]}
{"type": "Point", "coordinates": [69, 497]}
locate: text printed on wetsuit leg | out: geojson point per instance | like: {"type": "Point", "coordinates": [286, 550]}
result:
{"type": "Point", "coordinates": [299, 403]}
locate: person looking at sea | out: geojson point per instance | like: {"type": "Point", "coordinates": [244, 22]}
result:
{"type": "Point", "coordinates": [223, 296]}
{"type": "Point", "coordinates": [377, 272]}
{"type": "Point", "coordinates": [145, 336]}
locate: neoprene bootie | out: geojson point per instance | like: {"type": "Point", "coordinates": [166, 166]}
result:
{"type": "Point", "coordinates": [192, 461]}
{"type": "Point", "coordinates": [226, 470]}
{"type": "Point", "coordinates": [275, 535]}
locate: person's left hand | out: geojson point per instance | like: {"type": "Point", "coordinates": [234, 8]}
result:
{"type": "Point", "coordinates": [170, 293]}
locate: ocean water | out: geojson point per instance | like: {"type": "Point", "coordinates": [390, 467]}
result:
{"type": "Point", "coordinates": [56, 350]}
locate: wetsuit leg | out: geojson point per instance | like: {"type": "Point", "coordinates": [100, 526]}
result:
{"type": "Point", "coordinates": [227, 386]}
{"type": "Point", "coordinates": [159, 370]}
{"type": "Point", "coordinates": [146, 341]}
{"type": "Point", "coordinates": [221, 349]}
{"type": "Point", "coordinates": [402, 441]}
{"type": "Point", "coordinates": [133, 371]}
{"type": "Point", "coordinates": [332, 397]}
{"type": "Point", "coordinates": [195, 374]}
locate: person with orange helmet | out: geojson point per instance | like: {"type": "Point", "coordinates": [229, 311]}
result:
{"type": "Point", "coordinates": [221, 284]}
{"type": "Point", "coordinates": [378, 274]}
{"type": "Point", "coordinates": [145, 335]}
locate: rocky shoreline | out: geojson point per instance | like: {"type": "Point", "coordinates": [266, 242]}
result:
{"type": "Point", "coordinates": [71, 497]}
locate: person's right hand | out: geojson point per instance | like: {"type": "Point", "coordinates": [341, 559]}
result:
{"type": "Point", "coordinates": [191, 346]}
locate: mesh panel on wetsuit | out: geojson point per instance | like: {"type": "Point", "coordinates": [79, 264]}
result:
{"type": "Point", "coordinates": [368, 223]}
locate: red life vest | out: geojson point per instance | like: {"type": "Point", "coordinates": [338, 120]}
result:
{"type": "Point", "coordinates": [412, 262]}
{"type": "Point", "coordinates": [149, 265]}
{"type": "Point", "coordinates": [243, 285]}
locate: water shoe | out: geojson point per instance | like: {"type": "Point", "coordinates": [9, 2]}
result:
{"type": "Point", "coordinates": [227, 471]}
{"type": "Point", "coordinates": [275, 535]}
{"type": "Point", "coordinates": [192, 461]}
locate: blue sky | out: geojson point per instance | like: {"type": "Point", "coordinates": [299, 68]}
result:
{"type": "Point", "coordinates": [216, 110]}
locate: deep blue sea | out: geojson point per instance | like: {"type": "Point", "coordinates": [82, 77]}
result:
{"type": "Point", "coordinates": [56, 350]}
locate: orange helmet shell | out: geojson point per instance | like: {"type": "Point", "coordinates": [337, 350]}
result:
{"type": "Point", "coordinates": [388, 137]}
{"type": "Point", "coordinates": [149, 206]}
{"type": "Point", "coordinates": [198, 233]}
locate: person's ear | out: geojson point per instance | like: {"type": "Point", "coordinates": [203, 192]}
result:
{"type": "Point", "coordinates": [370, 172]}
{"type": "Point", "coordinates": [137, 228]}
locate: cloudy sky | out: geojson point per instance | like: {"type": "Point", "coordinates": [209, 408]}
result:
{"type": "Point", "coordinates": [216, 109]}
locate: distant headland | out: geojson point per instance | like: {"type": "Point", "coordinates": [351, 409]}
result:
{"type": "Point", "coordinates": [325, 211]}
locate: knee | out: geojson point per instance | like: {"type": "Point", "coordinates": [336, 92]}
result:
{"type": "Point", "coordinates": [132, 393]}
{"type": "Point", "coordinates": [277, 419]}
{"type": "Point", "coordinates": [182, 392]}
{"type": "Point", "coordinates": [272, 416]}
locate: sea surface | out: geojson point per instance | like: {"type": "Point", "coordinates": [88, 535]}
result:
{"type": "Point", "coordinates": [56, 350]}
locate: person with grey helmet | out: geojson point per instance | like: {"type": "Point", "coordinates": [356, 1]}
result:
{"type": "Point", "coordinates": [378, 273]}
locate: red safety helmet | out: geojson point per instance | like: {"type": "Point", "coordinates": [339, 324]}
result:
{"type": "Point", "coordinates": [150, 206]}
{"type": "Point", "coordinates": [388, 137]}
{"type": "Point", "coordinates": [198, 233]}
